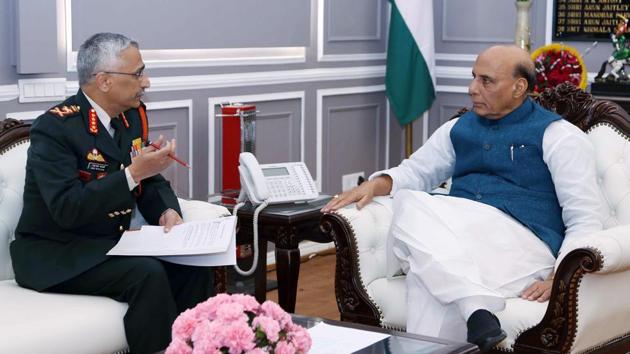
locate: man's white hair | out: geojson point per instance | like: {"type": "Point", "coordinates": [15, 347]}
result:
{"type": "Point", "coordinates": [100, 53]}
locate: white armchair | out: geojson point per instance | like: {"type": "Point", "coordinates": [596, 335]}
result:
{"type": "Point", "coordinates": [589, 308]}
{"type": "Point", "coordinates": [33, 322]}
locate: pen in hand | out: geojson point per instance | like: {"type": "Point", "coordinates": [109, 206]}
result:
{"type": "Point", "coordinates": [183, 163]}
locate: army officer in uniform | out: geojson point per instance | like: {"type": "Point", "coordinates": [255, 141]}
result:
{"type": "Point", "coordinates": [89, 172]}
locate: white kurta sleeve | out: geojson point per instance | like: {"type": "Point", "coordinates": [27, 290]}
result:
{"type": "Point", "coordinates": [429, 166]}
{"type": "Point", "coordinates": [570, 157]}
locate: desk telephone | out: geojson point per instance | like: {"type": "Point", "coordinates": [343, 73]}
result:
{"type": "Point", "coordinates": [271, 184]}
{"type": "Point", "coordinates": [275, 183]}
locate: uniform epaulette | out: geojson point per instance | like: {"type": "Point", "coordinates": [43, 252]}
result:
{"type": "Point", "coordinates": [65, 111]}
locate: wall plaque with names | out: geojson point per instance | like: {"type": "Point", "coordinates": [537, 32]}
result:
{"type": "Point", "coordinates": [587, 20]}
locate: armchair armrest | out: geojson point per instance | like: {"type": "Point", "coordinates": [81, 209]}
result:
{"type": "Point", "coordinates": [360, 240]}
{"type": "Point", "coordinates": [196, 210]}
{"type": "Point", "coordinates": [589, 303]}
{"type": "Point", "coordinates": [613, 244]}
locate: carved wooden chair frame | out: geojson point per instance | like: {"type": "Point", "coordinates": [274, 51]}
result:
{"type": "Point", "coordinates": [556, 332]}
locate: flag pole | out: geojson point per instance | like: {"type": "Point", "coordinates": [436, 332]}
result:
{"type": "Point", "coordinates": [408, 139]}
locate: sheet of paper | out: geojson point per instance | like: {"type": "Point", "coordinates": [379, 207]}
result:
{"type": "Point", "coordinates": [329, 339]}
{"type": "Point", "coordinates": [206, 260]}
{"type": "Point", "coordinates": [191, 238]}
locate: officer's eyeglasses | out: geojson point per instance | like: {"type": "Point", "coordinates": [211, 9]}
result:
{"type": "Point", "coordinates": [138, 74]}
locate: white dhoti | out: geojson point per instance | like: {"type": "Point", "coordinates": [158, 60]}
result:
{"type": "Point", "coordinates": [460, 255]}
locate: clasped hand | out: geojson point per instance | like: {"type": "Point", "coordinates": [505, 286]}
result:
{"type": "Point", "coordinates": [152, 160]}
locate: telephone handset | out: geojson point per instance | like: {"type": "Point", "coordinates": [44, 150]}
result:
{"type": "Point", "coordinates": [275, 183]}
{"type": "Point", "coordinates": [253, 183]}
{"type": "Point", "coordinates": [271, 184]}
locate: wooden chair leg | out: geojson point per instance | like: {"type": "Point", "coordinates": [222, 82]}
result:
{"type": "Point", "coordinates": [220, 279]}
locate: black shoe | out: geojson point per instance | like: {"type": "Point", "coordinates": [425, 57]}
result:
{"type": "Point", "coordinates": [484, 329]}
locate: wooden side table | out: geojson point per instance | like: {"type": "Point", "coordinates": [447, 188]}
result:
{"type": "Point", "coordinates": [285, 225]}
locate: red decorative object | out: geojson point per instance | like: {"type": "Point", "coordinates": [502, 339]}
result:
{"type": "Point", "coordinates": [233, 142]}
{"type": "Point", "coordinates": [558, 63]}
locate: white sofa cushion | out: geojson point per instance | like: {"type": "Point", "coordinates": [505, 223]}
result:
{"type": "Point", "coordinates": [196, 210]}
{"type": "Point", "coordinates": [597, 323]}
{"type": "Point", "coordinates": [372, 223]}
{"type": "Point", "coordinates": [11, 189]}
{"type": "Point", "coordinates": [612, 156]}
{"type": "Point", "coordinates": [390, 295]}
{"type": "Point", "coordinates": [33, 322]}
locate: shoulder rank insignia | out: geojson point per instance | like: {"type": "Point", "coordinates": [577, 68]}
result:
{"type": "Point", "coordinates": [94, 155]}
{"type": "Point", "coordinates": [93, 121]}
{"type": "Point", "coordinates": [65, 111]}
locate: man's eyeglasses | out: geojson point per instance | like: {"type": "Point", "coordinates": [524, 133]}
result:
{"type": "Point", "coordinates": [137, 74]}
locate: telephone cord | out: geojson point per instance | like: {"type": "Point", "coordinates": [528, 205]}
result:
{"type": "Point", "coordinates": [255, 227]}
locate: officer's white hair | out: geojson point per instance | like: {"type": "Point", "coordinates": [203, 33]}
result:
{"type": "Point", "coordinates": [100, 53]}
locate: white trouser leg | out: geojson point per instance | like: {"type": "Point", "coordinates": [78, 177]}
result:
{"type": "Point", "coordinates": [452, 250]}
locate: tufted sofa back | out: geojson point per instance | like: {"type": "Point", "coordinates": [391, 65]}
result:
{"type": "Point", "coordinates": [14, 144]}
{"type": "Point", "coordinates": [608, 128]}
{"type": "Point", "coordinates": [612, 150]}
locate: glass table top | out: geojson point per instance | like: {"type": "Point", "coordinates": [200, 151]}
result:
{"type": "Point", "coordinates": [398, 342]}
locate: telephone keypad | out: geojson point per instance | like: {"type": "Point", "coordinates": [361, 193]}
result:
{"type": "Point", "coordinates": [294, 185]}
{"type": "Point", "coordinates": [282, 187]}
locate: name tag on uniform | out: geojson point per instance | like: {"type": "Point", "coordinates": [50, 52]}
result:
{"type": "Point", "coordinates": [98, 167]}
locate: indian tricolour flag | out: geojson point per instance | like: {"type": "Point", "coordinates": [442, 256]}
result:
{"type": "Point", "coordinates": [410, 79]}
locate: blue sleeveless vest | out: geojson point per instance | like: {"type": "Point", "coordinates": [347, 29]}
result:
{"type": "Point", "coordinates": [500, 163]}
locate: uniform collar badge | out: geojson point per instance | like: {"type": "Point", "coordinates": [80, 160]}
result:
{"type": "Point", "coordinates": [95, 156]}
{"type": "Point", "coordinates": [92, 121]}
{"type": "Point", "coordinates": [124, 120]}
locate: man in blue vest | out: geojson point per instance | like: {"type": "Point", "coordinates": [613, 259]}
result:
{"type": "Point", "coordinates": [523, 180]}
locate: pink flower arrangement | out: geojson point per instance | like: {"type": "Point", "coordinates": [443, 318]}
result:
{"type": "Point", "coordinates": [237, 324]}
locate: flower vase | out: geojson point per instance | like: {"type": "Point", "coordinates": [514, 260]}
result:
{"type": "Point", "coordinates": [522, 36]}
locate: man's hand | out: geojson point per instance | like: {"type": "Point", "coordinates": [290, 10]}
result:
{"type": "Point", "coordinates": [362, 194]}
{"type": "Point", "coordinates": [151, 160]}
{"type": "Point", "coordinates": [539, 291]}
{"type": "Point", "coordinates": [169, 219]}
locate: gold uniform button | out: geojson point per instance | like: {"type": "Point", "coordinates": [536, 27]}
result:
{"type": "Point", "coordinates": [122, 167]}
{"type": "Point", "coordinates": [111, 215]}
{"type": "Point", "coordinates": [121, 228]}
